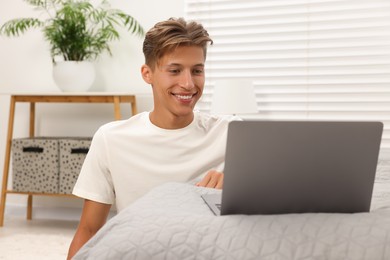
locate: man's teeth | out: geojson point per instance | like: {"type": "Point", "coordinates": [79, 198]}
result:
{"type": "Point", "coordinates": [184, 97]}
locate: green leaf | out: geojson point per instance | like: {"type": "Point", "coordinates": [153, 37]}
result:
{"type": "Point", "coordinates": [76, 30]}
{"type": "Point", "coordinates": [19, 26]}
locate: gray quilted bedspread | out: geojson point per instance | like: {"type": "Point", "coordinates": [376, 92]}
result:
{"type": "Point", "coordinates": [172, 222]}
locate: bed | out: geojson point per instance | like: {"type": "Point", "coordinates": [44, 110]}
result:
{"type": "Point", "coordinates": [172, 222]}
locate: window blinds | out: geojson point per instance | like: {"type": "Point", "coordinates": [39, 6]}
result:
{"type": "Point", "coordinates": [311, 60]}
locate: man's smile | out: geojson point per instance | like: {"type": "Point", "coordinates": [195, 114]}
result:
{"type": "Point", "coordinates": [184, 97]}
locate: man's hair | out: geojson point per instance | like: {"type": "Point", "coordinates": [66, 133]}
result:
{"type": "Point", "coordinates": [167, 35]}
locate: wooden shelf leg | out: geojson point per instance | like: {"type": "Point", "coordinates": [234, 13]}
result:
{"type": "Point", "coordinates": [32, 119]}
{"type": "Point", "coordinates": [29, 206]}
{"type": "Point", "coordinates": [32, 134]}
{"type": "Point", "coordinates": [134, 108]}
{"type": "Point", "coordinates": [117, 108]}
{"type": "Point", "coordinates": [7, 160]}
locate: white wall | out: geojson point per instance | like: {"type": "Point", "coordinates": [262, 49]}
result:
{"type": "Point", "coordinates": [25, 67]}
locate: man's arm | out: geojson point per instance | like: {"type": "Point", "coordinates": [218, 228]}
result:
{"type": "Point", "coordinates": [213, 179]}
{"type": "Point", "coordinates": [93, 217]}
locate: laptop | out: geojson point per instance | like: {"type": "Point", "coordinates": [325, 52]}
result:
{"type": "Point", "coordinates": [282, 167]}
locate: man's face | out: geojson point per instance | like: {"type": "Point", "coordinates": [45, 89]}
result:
{"type": "Point", "coordinates": [177, 81]}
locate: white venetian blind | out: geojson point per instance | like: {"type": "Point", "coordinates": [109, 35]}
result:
{"type": "Point", "coordinates": [319, 59]}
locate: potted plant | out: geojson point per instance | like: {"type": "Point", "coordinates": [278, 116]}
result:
{"type": "Point", "coordinates": [78, 33]}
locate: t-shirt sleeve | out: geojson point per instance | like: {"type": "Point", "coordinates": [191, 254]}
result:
{"type": "Point", "coordinates": [95, 181]}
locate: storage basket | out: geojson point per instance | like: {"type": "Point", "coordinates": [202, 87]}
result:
{"type": "Point", "coordinates": [72, 155]}
{"type": "Point", "coordinates": [47, 164]}
{"type": "Point", "coordinates": [35, 165]}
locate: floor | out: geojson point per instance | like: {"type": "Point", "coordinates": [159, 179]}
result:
{"type": "Point", "coordinates": [35, 239]}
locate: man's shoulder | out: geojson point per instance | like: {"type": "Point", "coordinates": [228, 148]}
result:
{"type": "Point", "coordinates": [133, 121]}
{"type": "Point", "coordinates": [208, 121]}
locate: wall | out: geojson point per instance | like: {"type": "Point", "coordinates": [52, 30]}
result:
{"type": "Point", "coordinates": [25, 67]}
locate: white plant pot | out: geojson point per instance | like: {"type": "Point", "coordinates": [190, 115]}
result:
{"type": "Point", "coordinates": [74, 76]}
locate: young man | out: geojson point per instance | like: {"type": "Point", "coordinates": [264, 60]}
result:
{"type": "Point", "coordinates": [171, 143]}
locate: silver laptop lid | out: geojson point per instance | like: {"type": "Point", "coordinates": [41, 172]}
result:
{"type": "Point", "coordinates": [277, 167]}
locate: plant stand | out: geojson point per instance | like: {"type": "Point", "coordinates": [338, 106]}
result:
{"type": "Point", "coordinates": [115, 99]}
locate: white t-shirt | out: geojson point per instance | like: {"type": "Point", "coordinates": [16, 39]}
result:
{"type": "Point", "coordinates": [127, 158]}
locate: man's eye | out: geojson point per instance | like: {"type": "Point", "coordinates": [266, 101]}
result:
{"type": "Point", "coordinates": [174, 71]}
{"type": "Point", "coordinates": [198, 71]}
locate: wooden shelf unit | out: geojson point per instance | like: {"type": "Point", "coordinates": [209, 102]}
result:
{"type": "Point", "coordinates": [88, 97]}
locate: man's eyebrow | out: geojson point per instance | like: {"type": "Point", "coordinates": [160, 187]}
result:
{"type": "Point", "coordinates": [173, 64]}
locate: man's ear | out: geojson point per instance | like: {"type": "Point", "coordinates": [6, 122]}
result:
{"type": "Point", "coordinates": [146, 73]}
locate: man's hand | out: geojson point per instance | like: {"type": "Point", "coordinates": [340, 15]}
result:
{"type": "Point", "coordinates": [213, 179]}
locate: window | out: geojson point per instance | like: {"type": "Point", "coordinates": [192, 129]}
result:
{"type": "Point", "coordinates": [319, 59]}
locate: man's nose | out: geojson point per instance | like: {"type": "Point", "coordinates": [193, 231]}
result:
{"type": "Point", "coordinates": [186, 80]}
